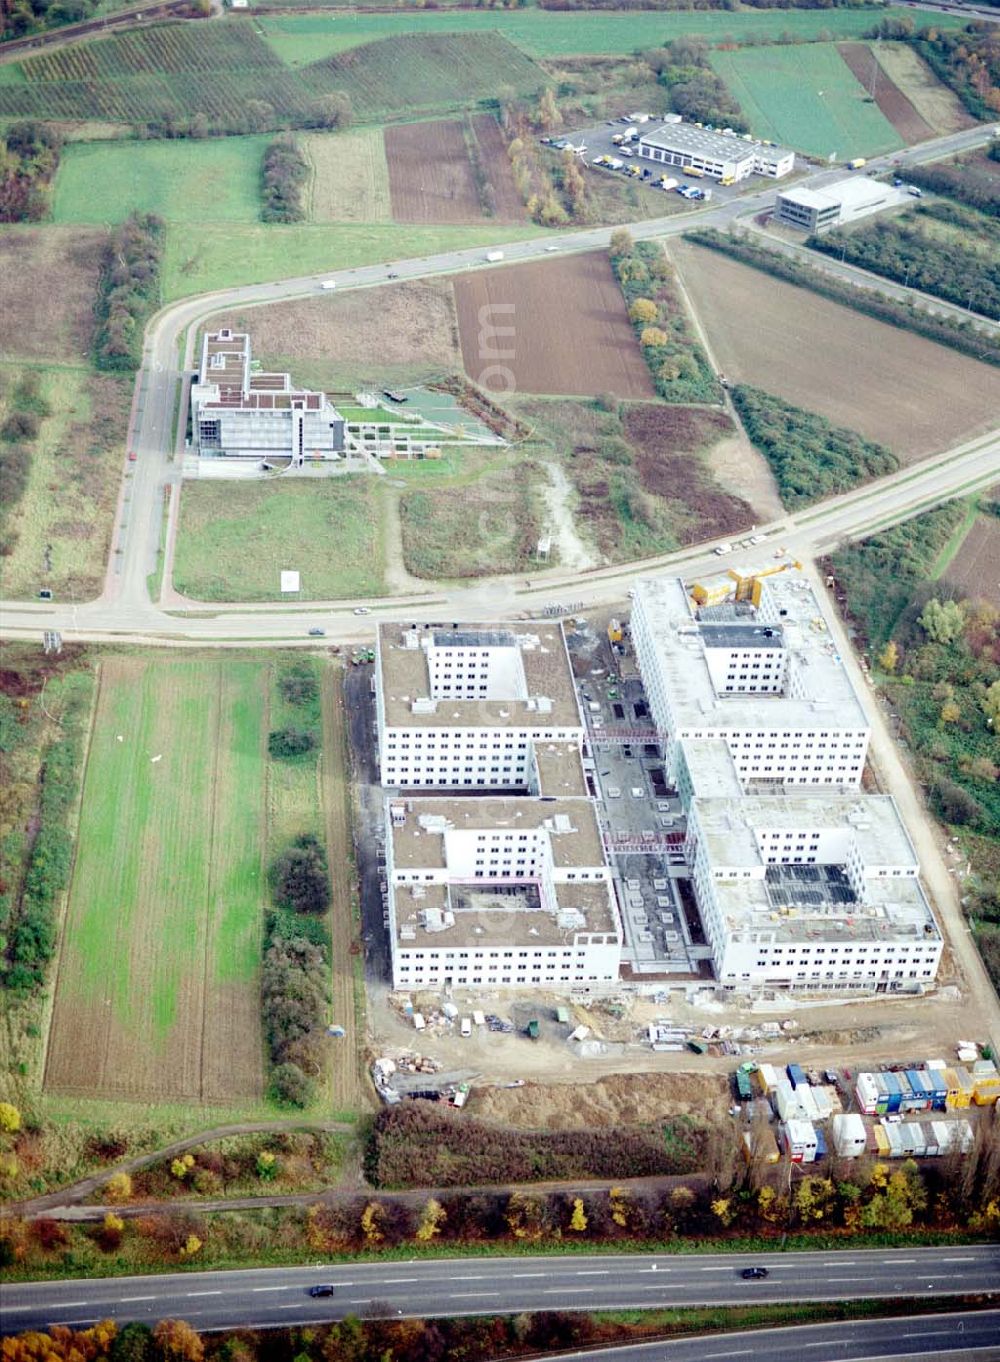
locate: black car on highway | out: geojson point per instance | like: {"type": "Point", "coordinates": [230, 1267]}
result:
{"type": "Point", "coordinates": [753, 1274]}
{"type": "Point", "coordinates": [323, 1289]}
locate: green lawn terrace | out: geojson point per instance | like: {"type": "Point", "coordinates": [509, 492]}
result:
{"type": "Point", "coordinates": [417, 427]}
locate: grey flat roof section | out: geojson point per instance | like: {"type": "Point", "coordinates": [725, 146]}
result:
{"type": "Point", "coordinates": [685, 137]}
{"type": "Point", "coordinates": [547, 672]}
{"type": "Point", "coordinates": [496, 915]}
{"type": "Point", "coordinates": [742, 635]}
{"type": "Point", "coordinates": [829, 700]}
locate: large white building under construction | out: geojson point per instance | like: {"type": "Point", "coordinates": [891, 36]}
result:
{"type": "Point", "coordinates": [801, 880]}
{"type": "Point", "coordinates": [496, 874]}
{"type": "Point", "coordinates": [239, 413]}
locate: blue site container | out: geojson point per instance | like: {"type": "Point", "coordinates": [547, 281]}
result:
{"type": "Point", "coordinates": [821, 1150]}
{"type": "Point", "coordinates": [893, 1094]}
{"type": "Point", "coordinates": [921, 1088]}
{"type": "Point", "coordinates": [796, 1075]}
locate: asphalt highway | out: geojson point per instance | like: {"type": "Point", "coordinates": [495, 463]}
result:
{"type": "Point", "coordinates": [475, 1286]}
{"type": "Point", "coordinates": [971, 1334]}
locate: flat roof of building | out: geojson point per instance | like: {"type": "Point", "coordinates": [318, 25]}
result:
{"type": "Point", "coordinates": [741, 634]}
{"type": "Point", "coordinates": [499, 915]}
{"type": "Point", "coordinates": [856, 191]}
{"type": "Point", "coordinates": [418, 842]}
{"type": "Point", "coordinates": [686, 137]}
{"type": "Point", "coordinates": [825, 697]}
{"type": "Point", "coordinates": [405, 685]}
{"type": "Point", "coordinates": [805, 902]}
{"type": "Point", "coordinates": [730, 825]}
{"type": "Point", "coordinates": [560, 769]}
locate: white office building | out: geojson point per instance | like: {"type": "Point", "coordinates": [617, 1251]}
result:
{"type": "Point", "coordinates": [477, 707]}
{"type": "Point", "coordinates": [763, 678]}
{"type": "Point", "coordinates": [240, 412]}
{"type": "Point", "coordinates": [501, 892]}
{"type": "Point", "coordinates": [847, 200]}
{"type": "Point", "coordinates": [811, 892]}
{"type": "Point", "coordinates": [801, 880]}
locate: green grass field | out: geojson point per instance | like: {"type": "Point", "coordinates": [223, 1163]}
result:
{"type": "Point", "coordinates": [234, 539]}
{"type": "Point", "coordinates": [200, 258]}
{"type": "Point", "coordinates": [184, 181]}
{"type": "Point", "coordinates": [302, 38]}
{"type": "Point", "coordinates": [157, 984]}
{"type": "Point", "coordinates": [806, 98]}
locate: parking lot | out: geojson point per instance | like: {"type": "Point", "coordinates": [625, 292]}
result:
{"type": "Point", "coordinates": [597, 142]}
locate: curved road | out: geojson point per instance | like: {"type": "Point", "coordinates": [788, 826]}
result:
{"type": "Point", "coordinates": [125, 612]}
{"type": "Point", "coordinates": [480, 1286]}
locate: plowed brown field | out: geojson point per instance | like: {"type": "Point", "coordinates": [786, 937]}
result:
{"type": "Point", "coordinates": [896, 106]}
{"type": "Point", "coordinates": [557, 327]}
{"type": "Point", "coordinates": [975, 569]}
{"type": "Point", "coordinates": [886, 383]}
{"type": "Point", "coordinates": [432, 177]}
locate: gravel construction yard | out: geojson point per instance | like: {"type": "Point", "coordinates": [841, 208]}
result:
{"type": "Point", "coordinates": [569, 330]}
{"type": "Point", "coordinates": [886, 383]}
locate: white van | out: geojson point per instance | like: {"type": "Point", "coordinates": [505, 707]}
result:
{"type": "Point", "coordinates": [466, 1026]}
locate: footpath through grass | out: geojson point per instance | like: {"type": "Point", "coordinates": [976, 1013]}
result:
{"type": "Point", "coordinates": [806, 97]}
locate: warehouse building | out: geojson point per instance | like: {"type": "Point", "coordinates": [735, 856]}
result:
{"type": "Point", "coordinates": [500, 892]}
{"type": "Point", "coordinates": [817, 210]}
{"type": "Point", "coordinates": [753, 667]}
{"type": "Point", "coordinates": [720, 155]}
{"type": "Point", "coordinates": [237, 413]}
{"type": "Point", "coordinates": [477, 707]}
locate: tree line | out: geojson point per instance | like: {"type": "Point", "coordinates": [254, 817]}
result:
{"type": "Point", "coordinates": [810, 457]}
{"type": "Point", "coordinates": [968, 61]}
{"type": "Point", "coordinates": [29, 159]}
{"type": "Point", "coordinates": [960, 335]}
{"type": "Point", "coordinates": [678, 365]}
{"type": "Point", "coordinates": [27, 408]}
{"type": "Point", "coordinates": [899, 248]}
{"type": "Point", "coordinates": [417, 1144]}
{"type": "Point", "coordinates": [963, 181]}
{"type": "Point", "coordinates": [128, 291]}
{"type": "Point", "coordinates": [285, 174]}
{"type": "Point", "coordinates": [29, 923]}
{"type": "Point", "coordinates": [295, 979]}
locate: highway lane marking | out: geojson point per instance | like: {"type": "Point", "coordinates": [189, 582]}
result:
{"type": "Point", "coordinates": [970, 1259]}
{"type": "Point", "coordinates": [258, 1289]}
{"type": "Point", "coordinates": [896, 1262]}
{"type": "Point", "coordinates": [204, 1293]}
{"type": "Point", "coordinates": [130, 1300]}
{"type": "Point", "coordinates": [474, 1277]}
{"type": "Point", "coordinates": [464, 1295]}
{"type": "Point", "coordinates": [606, 1272]}
{"type": "Point", "coordinates": [398, 1281]}
{"type": "Point", "coordinates": [931, 1333]}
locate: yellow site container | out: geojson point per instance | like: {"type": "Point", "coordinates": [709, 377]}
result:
{"type": "Point", "coordinates": [950, 1081]}
{"type": "Point", "coordinates": [615, 631]}
{"type": "Point", "coordinates": [715, 590]}
{"type": "Point", "coordinates": [986, 1091]}
{"type": "Point", "coordinates": [964, 1088]}
{"type": "Point", "coordinates": [882, 1145]}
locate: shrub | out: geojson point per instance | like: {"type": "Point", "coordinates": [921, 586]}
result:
{"type": "Point", "coordinates": [285, 173]}
{"type": "Point", "coordinates": [20, 425]}
{"type": "Point", "coordinates": [290, 1087]}
{"type": "Point", "coordinates": [290, 742]}
{"type": "Point", "coordinates": [298, 684]}
{"type": "Point", "coordinates": [300, 877]}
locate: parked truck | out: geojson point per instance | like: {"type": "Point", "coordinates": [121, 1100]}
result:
{"type": "Point", "coordinates": [328, 284]}
{"type": "Point", "coordinates": [494, 257]}
{"type": "Point", "coordinates": [857, 163]}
